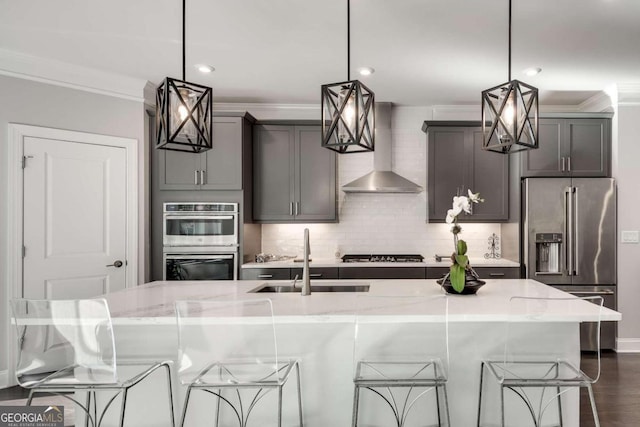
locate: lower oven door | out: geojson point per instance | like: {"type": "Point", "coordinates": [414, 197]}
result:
{"type": "Point", "coordinates": [200, 266]}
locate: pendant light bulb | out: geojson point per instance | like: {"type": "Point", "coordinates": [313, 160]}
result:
{"type": "Point", "coordinates": [348, 115]}
{"type": "Point", "coordinates": [182, 111]}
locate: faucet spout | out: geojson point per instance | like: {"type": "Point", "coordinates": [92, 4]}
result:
{"type": "Point", "coordinates": [306, 281]}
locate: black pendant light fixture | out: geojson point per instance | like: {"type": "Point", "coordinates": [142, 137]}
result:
{"type": "Point", "coordinates": [510, 114]}
{"type": "Point", "coordinates": [348, 111]}
{"type": "Point", "coordinates": [184, 111]}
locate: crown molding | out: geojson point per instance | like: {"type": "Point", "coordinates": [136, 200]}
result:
{"type": "Point", "coordinates": [598, 103]}
{"type": "Point", "coordinates": [628, 94]}
{"type": "Point", "coordinates": [272, 111]}
{"type": "Point", "coordinates": [29, 67]}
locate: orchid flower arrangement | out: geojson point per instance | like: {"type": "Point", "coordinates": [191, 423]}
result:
{"type": "Point", "coordinates": [459, 258]}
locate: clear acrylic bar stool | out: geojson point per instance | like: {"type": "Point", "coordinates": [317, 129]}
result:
{"type": "Point", "coordinates": [67, 346]}
{"type": "Point", "coordinates": [402, 360]}
{"type": "Point", "coordinates": [228, 349]}
{"type": "Point", "coordinates": [535, 367]}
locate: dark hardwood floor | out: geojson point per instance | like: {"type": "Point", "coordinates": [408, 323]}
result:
{"type": "Point", "coordinates": [617, 393]}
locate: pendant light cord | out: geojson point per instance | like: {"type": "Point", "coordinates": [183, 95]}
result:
{"type": "Point", "coordinates": [509, 40]}
{"type": "Point", "coordinates": [348, 40]}
{"type": "Point", "coordinates": [184, 78]}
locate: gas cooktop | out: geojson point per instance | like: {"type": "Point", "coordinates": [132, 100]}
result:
{"type": "Point", "coordinates": [382, 258]}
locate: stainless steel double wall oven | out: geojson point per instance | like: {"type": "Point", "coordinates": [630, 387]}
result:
{"type": "Point", "coordinates": [200, 241]}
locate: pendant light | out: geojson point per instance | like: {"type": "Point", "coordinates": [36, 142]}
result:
{"type": "Point", "coordinates": [185, 111]}
{"type": "Point", "coordinates": [348, 111]}
{"type": "Point", "coordinates": [510, 114]}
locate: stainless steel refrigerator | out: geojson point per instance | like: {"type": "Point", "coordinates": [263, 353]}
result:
{"type": "Point", "coordinates": [569, 241]}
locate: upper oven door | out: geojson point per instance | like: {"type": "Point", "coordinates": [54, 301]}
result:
{"type": "Point", "coordinates": [200, 229]}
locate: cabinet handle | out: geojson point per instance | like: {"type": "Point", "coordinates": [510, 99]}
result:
{"type": "Point", "coordinates": [496, 274]}
{"type": "Point", "coordinates": [297, 208]}
{"type": "Point", "coordinates": [316, 275]}
{"type": "Point", "coordinates": [195, 177]}
{"type": "Point", "coordinates": [265, 276]}
{"type": "Point", "coordinates": [202, 176]}
{"type": "Point", "coordinates": [291, 208]}
{"type": "Point", "coordinates": [568, 164]}
{"type": "Point", "coordinates": [562, 169]}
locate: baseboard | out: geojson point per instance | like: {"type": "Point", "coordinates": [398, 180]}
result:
{"type": "Point", "coordinates": [628, 345]}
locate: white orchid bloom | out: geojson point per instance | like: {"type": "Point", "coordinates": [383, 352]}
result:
{"type": "Point", "coordinates": [451, 216]}
{"type": "Point", "coordinates": [474, 197]}
{"type": "Point", "coordinates": [461, 203]}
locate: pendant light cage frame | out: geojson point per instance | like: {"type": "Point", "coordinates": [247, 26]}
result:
{"type": "Point", "coordinates": [192, 134]}
{"type": "Point", "coordinates": [510, 114]}
{"type": "Point", "coordinates": [510, 118]}
{"type": "Point", "coordinates": [348, 117]}
{"type": "Point", "coordinates": [184, 110]}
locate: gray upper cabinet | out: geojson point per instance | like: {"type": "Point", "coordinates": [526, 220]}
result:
{"type": "Point", "coordinates": [579, 147]}
{"type": "Point", "coordinates": [220, 168]}
{"type": "Point", "coordinates": [294, 177]}
{"type": "Point", "coordinates": [456, 163]}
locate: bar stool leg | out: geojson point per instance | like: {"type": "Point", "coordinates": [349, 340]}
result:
{"type": "Point", "coordinates": [299, 393]}
{"type": "Point", "coordinates": [356, 402]}
{"type": "Point", "coordinates": [186, 404]}
{"type": "Point", "coordinates": [596, 420]}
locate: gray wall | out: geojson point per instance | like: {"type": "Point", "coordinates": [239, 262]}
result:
{"type": "Point", "coordinates": [39, 104]}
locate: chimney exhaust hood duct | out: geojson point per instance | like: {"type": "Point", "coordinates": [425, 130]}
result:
{"type": "Point", "coordinates": [382, 179]}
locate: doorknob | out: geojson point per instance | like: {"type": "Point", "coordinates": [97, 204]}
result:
{"type": "Point", "coordinates": [116, 264]}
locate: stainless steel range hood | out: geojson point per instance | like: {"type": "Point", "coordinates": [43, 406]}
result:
{"type": "Point", "coordinates": [382, 179]}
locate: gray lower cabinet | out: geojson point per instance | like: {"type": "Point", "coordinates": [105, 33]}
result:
{"type": "Point", "coordinates": [224, 167]}
{"type": "Point", "coordinates": [265, 273]}
{"type": "Point", "coordinates": [382, 273]}
{"type": "Point", "coordinates": [316, 273]}
{"type": "Point", "coordinates": [319, 273]}
{"type": "Point", "coordinates": [578, 147]}
{"type": "Point", "coordinates": [294, 177]}
{"type": "Point", "coordinates": [457, 163]}
{"type": "Point", "coordinates": [483, 272]}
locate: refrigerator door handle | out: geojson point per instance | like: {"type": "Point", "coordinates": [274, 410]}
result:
{"type": "Point", "coordinates": [568, 231]}
{"type": "Point", "coordinates": [574, 236]}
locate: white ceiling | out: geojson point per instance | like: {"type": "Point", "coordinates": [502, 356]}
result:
{"type": "Point", "coordinates": [425, 52]}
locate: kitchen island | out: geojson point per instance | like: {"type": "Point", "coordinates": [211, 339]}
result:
{"type": "Point", "coordinates": [318, 330]}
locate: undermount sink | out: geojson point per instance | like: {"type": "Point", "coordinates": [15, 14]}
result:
{"type": "Point", "coordinates": [287, 287]}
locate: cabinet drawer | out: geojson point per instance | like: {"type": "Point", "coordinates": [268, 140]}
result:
{"type": "Point", "coordinates": [498, 272]}
{"type": "Point", "coordinates": [382, 273]}
{"type": "Point", "coordinates": [483, 272]}
{"type": "Point", "coordinates": [265, 274]}
{"type": "Point", "coordinates": [318, 273]}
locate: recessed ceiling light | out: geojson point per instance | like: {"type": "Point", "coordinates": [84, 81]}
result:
{"type": "Point", "coordinates": [533, 71]}
{"type": "Point", "coordinates": [203, 68]}
{"type": "Point", "coordinates": [366, 71]}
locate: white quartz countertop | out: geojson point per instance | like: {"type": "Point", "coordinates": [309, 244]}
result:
{"type": "Point", "coordinates": [428, 262]}
{"type": "Point", "coordinates": [153, 303]}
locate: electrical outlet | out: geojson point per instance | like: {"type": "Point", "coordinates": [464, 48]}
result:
{"type": "Point", "coordinates": [630, 237]}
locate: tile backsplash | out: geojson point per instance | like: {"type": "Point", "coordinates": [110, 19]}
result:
{"type": "Point", "coordinates": [382, 223]}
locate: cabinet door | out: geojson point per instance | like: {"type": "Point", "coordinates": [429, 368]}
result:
{"type": "Point", "coordinates": [447, 169]}
{"type": "Point", "coordinates": [315, 192]}
{"type": "Point", "coordinates": [222, 165]}
{"type": "Point", "coordinates": [588, 145]}
{"type": "Point", "coordinates": [382, 272]}
{"type": "Point", "coordinates": [490, 178]}
{"type": "Point", "coordinates": [265, 273]}
{"type": "Point", "coordinates": [546, 160]}
{"type": "Point", "coordinates": [178, 170]}
{"type": "Point", "coordinates": [316, 273]}
{"type": "Point", "coordinates": [274, 173]}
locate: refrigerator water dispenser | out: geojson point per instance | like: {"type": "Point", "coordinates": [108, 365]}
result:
{"type": "Point", "coordinates": [548, 252]}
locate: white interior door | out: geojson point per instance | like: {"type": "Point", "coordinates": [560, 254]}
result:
{"type": "Point", "coordinates": [75, 219]}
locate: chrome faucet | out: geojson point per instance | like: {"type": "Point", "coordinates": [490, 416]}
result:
{"type": "Point", "coordinates": [306, 281]}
